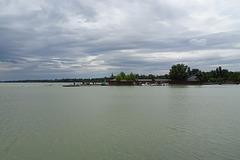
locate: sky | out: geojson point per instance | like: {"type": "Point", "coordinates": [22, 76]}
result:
{"type": "Point", "coordinates": [54, 39]}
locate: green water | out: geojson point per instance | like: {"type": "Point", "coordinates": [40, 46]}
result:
{"type": "Point", "coordinates": [49, 122]}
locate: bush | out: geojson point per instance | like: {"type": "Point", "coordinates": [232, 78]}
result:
{"type": "Point", "coordinates": [220, 80]}
{"type": "Point", "coordinates": [212, 79]}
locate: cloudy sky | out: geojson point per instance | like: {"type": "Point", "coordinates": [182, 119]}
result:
{"type": "Point", "coordinates": [48, 39]}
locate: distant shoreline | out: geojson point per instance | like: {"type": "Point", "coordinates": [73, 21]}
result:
{"type": "Point", "coordinates": [70, 84]}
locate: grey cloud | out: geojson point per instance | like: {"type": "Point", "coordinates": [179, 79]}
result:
{"type": "Point", "coordinates": [53, 38]}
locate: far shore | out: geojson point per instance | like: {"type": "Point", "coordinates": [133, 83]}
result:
{"type": "Point", "coordinates": [81, 84]}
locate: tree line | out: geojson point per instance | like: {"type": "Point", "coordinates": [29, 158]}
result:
{"type": "Point", "coordinates": [219, 75]}
{"type": "Point", "coordinates": [177, 72]}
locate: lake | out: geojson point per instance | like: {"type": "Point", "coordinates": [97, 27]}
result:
{"type": "Point", "coordinates": [44, 121]}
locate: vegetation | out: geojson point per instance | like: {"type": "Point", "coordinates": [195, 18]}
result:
{"type": "Point", "coordinates": [220, 76]}
{"type": "Point", "coordinates": [179, 72]}
{"type": "Point", "coordinates": [123, 76]}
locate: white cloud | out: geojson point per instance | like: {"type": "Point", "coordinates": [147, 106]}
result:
{"type": "Point", "coordinates": [200, 42]}
{"type": "Point", "coordinates": [6, 66]}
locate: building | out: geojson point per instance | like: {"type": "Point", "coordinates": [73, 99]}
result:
{"type": "Point", "coordinates": [151, 81]}
{"type": "Point", "coordinates": [143, 81]}
{"type": "Point", "coordinates": [161, 81]}
{"type": "Point", "coordinates": [194, 80]}
{"type": "Point", "coordinates": [120, 83]}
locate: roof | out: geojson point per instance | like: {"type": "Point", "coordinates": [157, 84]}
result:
{"type": "Point", "coordinates": [193, 78]}
{"type": "Point", "coordinates": [114, 80]}
{"type": "Point", "coordinates": [150, 80]}
{"type": "Point", "coordinates": [144, 80]}
{"type": "Point", "coordinates": [158, 80]}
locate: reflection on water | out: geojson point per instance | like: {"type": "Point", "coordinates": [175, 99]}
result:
{"type": "Point", "coordinates": [43, 121]}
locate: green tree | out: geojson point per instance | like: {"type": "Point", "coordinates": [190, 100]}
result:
{"type": "Point", "coordinates": [178, 72]}
{"type": "Point", "coordinates": [220, 71]}
{"type": "Point", "coordinates": [132, 77]}
{"type": "Point", "coordinates": [225, 74]}
{"type": "Point", "coordinates": [118, 77]}
{"type": "Point", "coordinates": [195, 71]}
{"type": "Point", "coordinates": [204, 77]}
{"type": "Point", "coordinates": [122, 75]}
{"type": "Point", "coordinates": [127, 77]}
{"type": "Point", "coordinates": [189, 71]}
{"type": "Point", "coordinates": [212, 79]}
{"type": "Point", "coordinates": [217, 72]}
{"type": "Point", "coordinates": [219, 79]}
{"type": "Point", "coordinates": [213, 74]}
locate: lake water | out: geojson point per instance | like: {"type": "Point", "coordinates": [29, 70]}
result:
{"type": "Point", "coordinates": [49, 122]}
